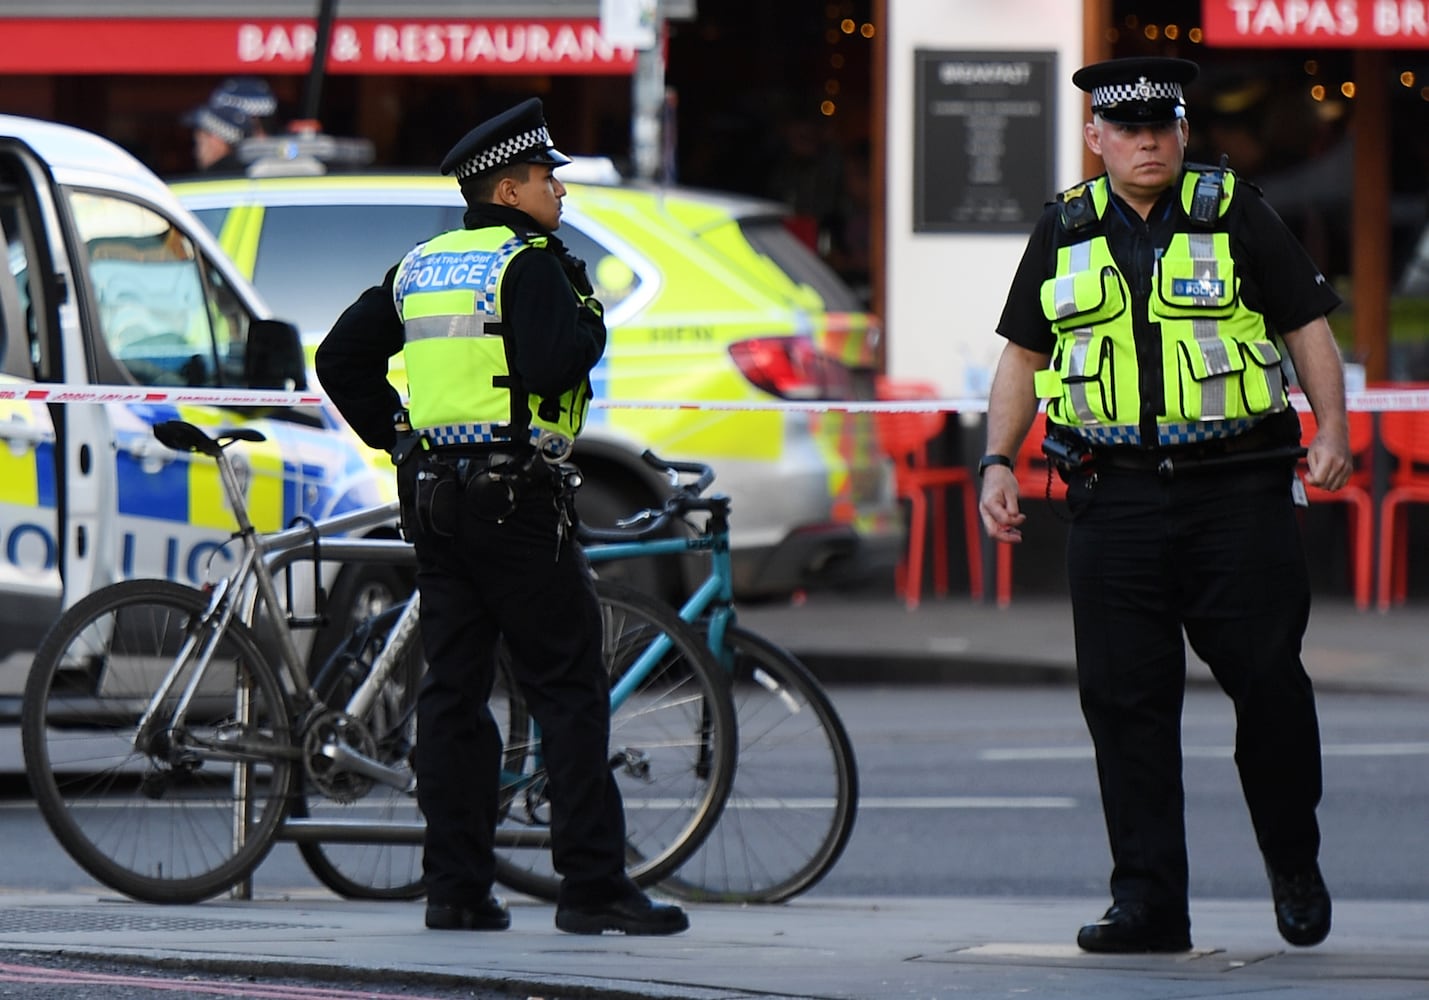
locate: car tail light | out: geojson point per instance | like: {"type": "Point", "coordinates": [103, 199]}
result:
{"type": "Point", "coordinates": [790, 368]}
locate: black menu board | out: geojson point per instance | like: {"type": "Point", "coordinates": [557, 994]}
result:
{"type": "Point", "coordinates": [982, 149]}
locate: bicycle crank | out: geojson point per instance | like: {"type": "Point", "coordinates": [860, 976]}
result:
{"type": "Point", "coordinates": [635, 763]}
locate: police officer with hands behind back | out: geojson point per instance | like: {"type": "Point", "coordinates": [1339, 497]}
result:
{"type": "Point", "coordinates": [1152, 310]}
{"type": "Point", "coordinates": [499, 333]}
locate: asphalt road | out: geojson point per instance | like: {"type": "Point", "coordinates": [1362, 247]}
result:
{"type": "Point", "coordinates": [992, 791]}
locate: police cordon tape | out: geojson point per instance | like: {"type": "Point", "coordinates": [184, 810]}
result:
{"type": "Point", "coordinates": [1370, 400]}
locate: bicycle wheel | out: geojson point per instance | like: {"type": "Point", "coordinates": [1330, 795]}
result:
{"type": "Point", "coordinates": [155, 822]}
{"type": "Point", "coordinates": [795, 795]}
{"type": "Point", "coordinates": [373, 869]}
{"type": "Point", "coordinates": [672, 742]}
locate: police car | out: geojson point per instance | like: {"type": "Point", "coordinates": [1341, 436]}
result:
{"type": "Point", "coordinates": [709, 299]}
{"type": "Point", "coordinates": [111, 282]}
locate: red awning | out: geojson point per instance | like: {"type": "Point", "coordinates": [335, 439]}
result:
{"type": "Point", "coordinates": [276, 46]}
{"type": "Point", "coordinates": [1348, 24]}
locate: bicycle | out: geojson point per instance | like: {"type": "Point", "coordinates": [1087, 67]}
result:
{"type": "Point", "coordinates": [168, 754]}
{"type": "Point", "coordinates": [793, 802]}
{"type": "Point", "coordinates": [794, 799]}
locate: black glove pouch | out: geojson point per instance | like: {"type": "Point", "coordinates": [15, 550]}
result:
{"type": "Point", "coordinates": [489, 497]}
{"type": "Point", "coordinates": [437, 500]}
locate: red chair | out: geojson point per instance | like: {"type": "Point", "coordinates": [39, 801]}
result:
{"type": "Point", "coordinates": [1406, 438]}
{"type": "Point", "coordinates": [1031, 468]}
{"type": "Point", "coordinates": [905, 438]}
{"type": "Point", "coordinates": [1358, 493]}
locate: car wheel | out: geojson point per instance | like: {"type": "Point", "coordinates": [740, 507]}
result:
{"type": "Point", "coordinates": [360, 592]}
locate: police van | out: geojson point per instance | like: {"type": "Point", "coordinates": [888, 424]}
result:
{"type": "Point", "coordinates": [112, 282]}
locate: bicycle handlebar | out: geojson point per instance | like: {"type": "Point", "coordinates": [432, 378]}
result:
{"type": "Point", "coordinates": [687, 497]}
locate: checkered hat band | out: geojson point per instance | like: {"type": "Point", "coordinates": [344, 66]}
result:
{"type": "Point", "coordinates": [210, 122]}
{"type": "Point", "coordinates": [1142, 90]}
{"type": "Point", "coordinates": [503, 151]}
{"type": "Point", "coordinates": [253, 107]}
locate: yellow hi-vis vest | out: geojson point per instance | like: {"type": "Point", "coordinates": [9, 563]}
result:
{"type": "Point", "coordinates": [1218, 360]}
{"type": "Point", "coordinates": [461, 390]}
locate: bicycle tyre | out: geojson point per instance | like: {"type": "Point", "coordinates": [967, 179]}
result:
{"type": "Point", "coordinates": [672, 748]}
{"type": "Point", "coordinates": [794, 800]}
{"type": "Point", "coordinates": [376, 870]}
{"type": "Point", "coordinates": [156, 826]}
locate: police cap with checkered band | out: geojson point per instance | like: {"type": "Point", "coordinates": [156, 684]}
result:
{"type": "Point", "coordinates": [517, 135]}
{"type": "Point", "coordinates": [1139, 90]}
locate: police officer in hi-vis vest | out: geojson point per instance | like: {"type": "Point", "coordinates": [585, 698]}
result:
{"type": "Point", "coordinates": [1154, 312]}
{"type": "Point", "coordinates": [499, 333]}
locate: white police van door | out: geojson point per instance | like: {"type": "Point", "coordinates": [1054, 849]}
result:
{"type": "Point", "coordinates": [56, 486]}
{"type": "Point", "coordinates": [163, 316]}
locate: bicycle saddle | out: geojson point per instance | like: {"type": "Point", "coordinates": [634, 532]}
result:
{"type": "Point", "coordinates": [182, 436]}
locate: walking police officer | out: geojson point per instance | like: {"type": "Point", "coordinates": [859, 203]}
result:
{"type": "Point", "coordinates": [499, 333]}
{"type": "Point", "coordinates": [1152, 311]}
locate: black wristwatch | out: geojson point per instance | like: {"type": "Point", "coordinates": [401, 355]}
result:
{"type": "Point", "coordinates": [987, 460]}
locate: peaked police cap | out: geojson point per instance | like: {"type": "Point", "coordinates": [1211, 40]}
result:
{"type": "Point", "coordinates": [1139, 90]}
{"type": "Point", "coordinates": [229, 124]}
{"type": "Point", "coordinates": [517, 135]}
{"type": "Point", "coordinates": [247, 94]}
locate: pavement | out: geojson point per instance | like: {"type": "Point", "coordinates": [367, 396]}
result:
{"type": "Point", "coordinates": [822, 947]}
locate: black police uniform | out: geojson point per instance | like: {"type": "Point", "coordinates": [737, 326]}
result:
{"type": "Point", "coordinates": [1214, 550]}
{"type": "Point", "coordinates": [518, 578]}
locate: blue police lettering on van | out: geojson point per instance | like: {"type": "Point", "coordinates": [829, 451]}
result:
{"type": "Point", "coordinates": [202, 562]}
{"type": "Point", "coordinates": [17, 538]}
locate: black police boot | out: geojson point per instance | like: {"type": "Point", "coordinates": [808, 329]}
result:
{"type": "Point", "coordinates": [1302, 904]}
{"type": "Point", "coordinates": [632, 913]}
{"type": "Point", "coordinates": [489, 915]}
{"type": "Point", "coordinates": [1137, 927]}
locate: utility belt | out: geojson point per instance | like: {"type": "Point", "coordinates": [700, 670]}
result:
{"type": "Point", "coordinates": [490, 483]}
{"type": "Point", "coordinates": [1273, 439]}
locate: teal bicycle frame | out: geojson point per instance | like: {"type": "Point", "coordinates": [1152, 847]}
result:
{"type": "Point", "coordinates": [712, 600]}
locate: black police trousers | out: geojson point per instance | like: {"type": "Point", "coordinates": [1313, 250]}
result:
{"type": "Point", "coordinates": [1215, 555]}
{"type": "Point", "coordinates": [480, 580]}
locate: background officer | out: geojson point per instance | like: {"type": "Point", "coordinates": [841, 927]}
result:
{"type": "Point", "coordinates": [499, 335]}
{"type": "Point", "coordinates": [1152, 310]}
{"type": "Point", "coordinates": [238, 108]}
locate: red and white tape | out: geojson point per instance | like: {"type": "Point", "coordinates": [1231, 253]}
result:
{"type": "Point", "coordinates": [1372, 400]}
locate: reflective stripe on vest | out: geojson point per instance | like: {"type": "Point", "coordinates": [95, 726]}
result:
{"type": "Point", "coordinates": [448, 293]}
{"type": "Point", "coordinates": [1219, 363]}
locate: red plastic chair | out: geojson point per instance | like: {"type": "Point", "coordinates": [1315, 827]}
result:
{"type": "Point", "coordinates": [905, 438]}
{"type": "Point", "coordinates": [1030, 467]}
{"type": "Point", "coordinates": [1406, 438]}
{"type": "Point", "coordinates": [1357, 493]}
